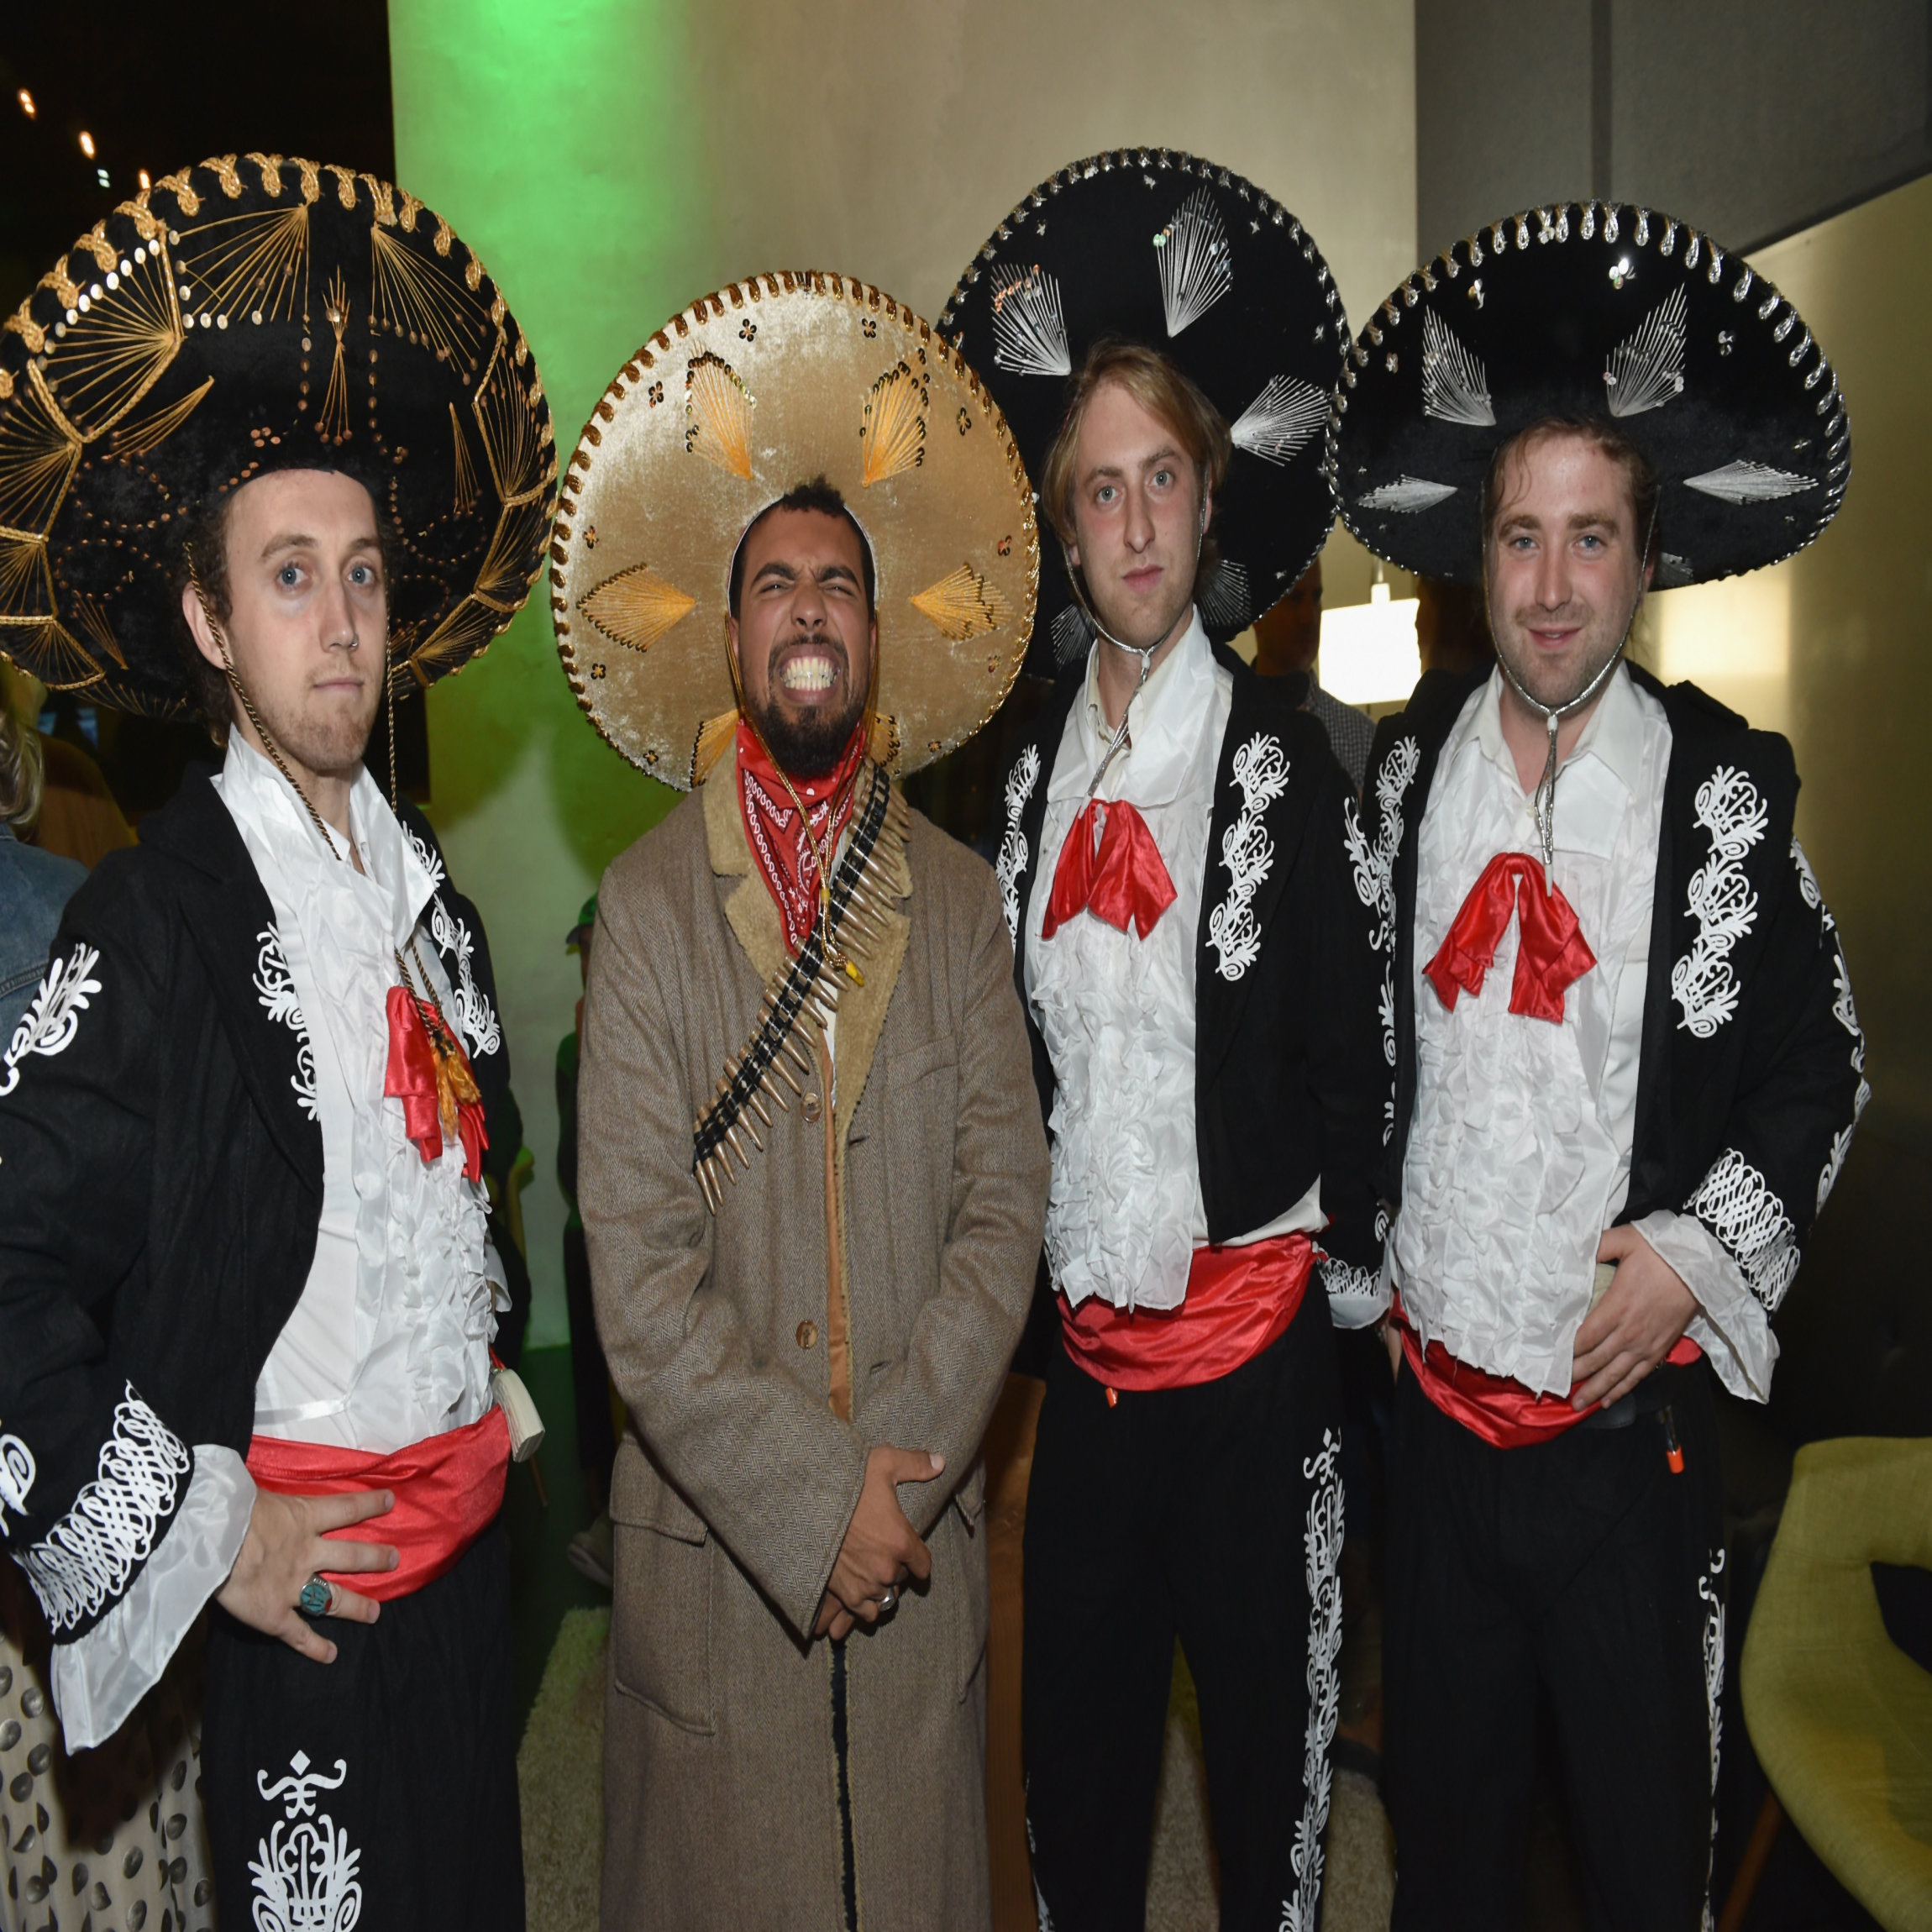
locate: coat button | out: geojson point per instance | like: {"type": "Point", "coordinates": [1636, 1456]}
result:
{"type": "Point", "coordinates": [811, 1106]}
{"type": "Point", "coordinates": [807, 1334]}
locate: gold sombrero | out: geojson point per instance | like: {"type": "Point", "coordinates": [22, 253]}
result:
{"type": "Point", "coordinates": [764, 385]}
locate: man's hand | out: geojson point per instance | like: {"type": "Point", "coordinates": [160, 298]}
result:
{"type": "Point", "coordinates": [285, 1546]}
{"type": "Point", "coordinates": [881, 1548]}
{"type": "Point", "coordinates": [1640, 1319]}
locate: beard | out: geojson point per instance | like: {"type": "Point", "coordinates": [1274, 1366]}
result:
{"type": "Point", "coordinates": [328, 740]}
{"type": "Point", "coordinates": [807, 744]}
{"type": "Point", "coordinates": [1556, 682]}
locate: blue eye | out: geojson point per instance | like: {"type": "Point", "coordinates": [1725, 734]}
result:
{"type": "Point", "coordinates": [288, 575]}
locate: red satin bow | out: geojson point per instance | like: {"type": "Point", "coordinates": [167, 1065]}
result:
{"type": "Point", "coordinates": [438, 1090]}
{"type": "Point", "coordinates": [1111, 867]}
{"type": "Point", "coordinates": [1551, 956]}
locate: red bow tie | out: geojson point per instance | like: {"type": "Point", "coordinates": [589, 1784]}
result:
{"type": "Point", "coordinates": [1551, 956]}
{"type": "Point", "coordinates": [1111, 867]}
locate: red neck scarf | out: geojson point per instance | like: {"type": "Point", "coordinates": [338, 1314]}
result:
{"type": "Point", "coordinates": [783, 850]}
{"type": "Point", "coordinates": [1552, 953]}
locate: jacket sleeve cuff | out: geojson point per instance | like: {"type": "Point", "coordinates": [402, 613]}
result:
{"type": "Point", "coordinates": [98, 1678]}
{"type": "Point", "coordinates": [1357, 1297]}
{"type": "Point", "coordinates": [1730, 1324]}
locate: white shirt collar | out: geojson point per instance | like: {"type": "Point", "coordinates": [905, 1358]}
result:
{"type": "Point", "coordinates": [1613, 734]}
{"type": "Point", "coordinates": [1164, 723]}
{"type": "Point", "coordinates": [254, 790]}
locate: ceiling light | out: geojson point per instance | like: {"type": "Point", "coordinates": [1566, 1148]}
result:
{"type": "Point", "coordinates": [87, 144]}
{"type": "Point", "coordinates": [26, 102]}
{"type": "Point", "coordinates": [1368, 651]}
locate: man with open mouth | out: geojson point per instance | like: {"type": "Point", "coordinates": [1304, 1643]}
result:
{"type": "Point", "coordinates": [270, 442]}
{"type": "Point", "coordinates": [1626, 1061]}
{"type": "Point", "coordinates": [798, 559]}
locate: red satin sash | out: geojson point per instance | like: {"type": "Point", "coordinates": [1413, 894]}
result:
{"type": "Point", "coordinates": [447, 1491]}
{"type": "Point", "coordinates": [1552, 954]}
{"type": "Point", "coordinates": [412, 1079]}
{"type": "Point", "coordinates": [1239, 1300]}
{"type": "Point", "coordinates": [1110, 866]}
{"type": "Point", "coordinates": [1506, 1413]}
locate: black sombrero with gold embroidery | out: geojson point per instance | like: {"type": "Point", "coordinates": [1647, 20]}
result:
{"type": "Point", "coordinates": [1591, 311]}
{"type": "Point", "coordinates": [1170, 251]}
{"type": "Point", "coordinates": [241, 317]}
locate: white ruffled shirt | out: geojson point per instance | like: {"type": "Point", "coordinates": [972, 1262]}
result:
{"type": "Point", "coordinates": [1519, 1150]}
{"type": "Point", "coordinates": [389, 1344]}
{"type": "Point", "coordinates": [1126, 1210]}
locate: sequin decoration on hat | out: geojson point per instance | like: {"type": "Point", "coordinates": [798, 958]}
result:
{"type": "Point", "coordinates": [1169, 250]}
{"type": "Point", "coordinates": [247, 315]}
{"type": "Point", "coordinates": [1591, 310]}
{"type": "Point", "coordinates": [767, 384]}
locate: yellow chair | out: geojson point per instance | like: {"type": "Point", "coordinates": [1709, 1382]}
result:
{"type": "Point", "coordinates": [1841, 1719]}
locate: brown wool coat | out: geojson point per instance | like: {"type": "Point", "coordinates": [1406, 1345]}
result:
{"type": "Point", "coordinates": [735, 1479]}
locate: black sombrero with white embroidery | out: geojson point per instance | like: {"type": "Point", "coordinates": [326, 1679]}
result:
{"type": "Point", "coordinates": [1170, 251]}
{"type": "Point", "coordinates": [1598, 311]}
{"type": "Point", "coordinates": [252, 314]}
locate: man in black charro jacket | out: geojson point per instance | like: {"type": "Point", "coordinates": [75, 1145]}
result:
{"type": "Point", "coordinates": [1626, 1061]}
{"type": "Point", "coordinates": [1195, 962]}
{"type": "Point", "coordinates": [244, 1271]}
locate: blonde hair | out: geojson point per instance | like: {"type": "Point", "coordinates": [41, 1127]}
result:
{"type": "Point", "coordinates": [21, 774]}
{"type": "Point", "coordinates": [1167, 394]}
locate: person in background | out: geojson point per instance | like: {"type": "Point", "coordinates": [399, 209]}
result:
{"type": "Point", "coordinates": [79, 817]}
{"type": "Point", "coordinates": [589, 1551]}
{"type": "Point", "coordinates": [1452, 628]}
{"type": "Point", "coordinates": [1288, 639]}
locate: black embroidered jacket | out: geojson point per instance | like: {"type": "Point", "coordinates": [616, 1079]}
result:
{"type": "Point", "coordinates": [1751, 1073]}
{"type": "Point", "coordinates": [1289, 1079]}
{"type": "Point", "coordinates": [160, 1185]}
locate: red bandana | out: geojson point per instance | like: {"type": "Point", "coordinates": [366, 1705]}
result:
{"type": "Point", "coordinates": [780, 847]}
{"type": "Point", "coordinates": [431, 1076]}
{"type": "Point", "coordinates": [1551, 956]}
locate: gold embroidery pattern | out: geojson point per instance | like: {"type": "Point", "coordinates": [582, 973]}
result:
{"type": "Point", "coordinates": [636, 607]}
{"type": "Point", "coordinates": [962, 604]}
{"type": "Point", "coordinates": [892, 425]}
{"type": "Point", "coordinates": [717, 414]}
{"type": "Point", "coordinates": [113, 317]}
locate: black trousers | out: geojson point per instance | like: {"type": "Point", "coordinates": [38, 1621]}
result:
{"type": "Point", "coordinates": [1582, 1568]}
{"type": "Point", "coordinates": [383, 1784]}
{"type": "Point", "coordinates": [1212, 1513]}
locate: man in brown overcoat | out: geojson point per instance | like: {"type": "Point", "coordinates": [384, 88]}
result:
{"type": "Point", "coordinates": [811, 1169]}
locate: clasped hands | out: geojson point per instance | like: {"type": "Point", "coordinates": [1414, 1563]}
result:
{"type": "Point", "coordinates": [881, 1548]}
{"type": "Point", "coordinates": [1643, 1314]}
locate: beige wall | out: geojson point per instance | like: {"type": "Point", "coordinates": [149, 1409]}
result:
{"type": "Point", "coordinates": [1833, 648]}
{"type": "Point", "coordinates": [883, 138]}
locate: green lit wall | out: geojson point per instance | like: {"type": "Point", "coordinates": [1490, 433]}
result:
{"type": "Point", "coordinates": [612, 160]}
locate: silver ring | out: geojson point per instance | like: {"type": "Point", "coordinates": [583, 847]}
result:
{"type": "Point", "coordinates": [889, 1601]}
{"type": "Point", "coordinates": [318, 1598]}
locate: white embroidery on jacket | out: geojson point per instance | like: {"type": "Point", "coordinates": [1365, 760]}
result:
{"type": "Point", "coordinates": [1322, 1543]}
{"type": "Point", "coordinates": [475, 1019]}
{"type": "Point", "coordinates": [1261, 770]}
{"type": "Point", "coordinates": [48, 1026]}
{"type": "Point", "coordinates": [274, 985]}
{"type": "Point", "coordinates": [1722, 901]}
{"type": "Point", "coordinates": [17, 1474]}
{"type": "Point", "coordinates": [428, 859]}
{"type": "Point", "coordinates": [1844, 1010]}
{"type": "Point", "coordinates": [1709, 1590]}
{"type": "Point", "coordinates": [1012, 860]}
{"type": "Point", "coordinates": [1375, 887]}
{"type": "Point", "coordinates": [1344, 1278]}
{"type": "Point", "coordinates": [305, 1870]}
{"type": "Point", "coordinates": [1737, 1203]}
{"type": "Point", "coordinates": [86, 1558]}
{"type": "Point", "coordinates": [1807, 884]}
